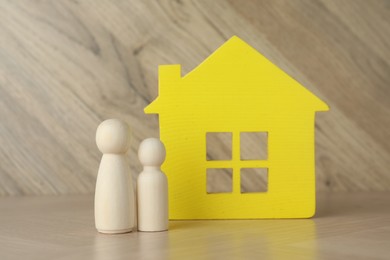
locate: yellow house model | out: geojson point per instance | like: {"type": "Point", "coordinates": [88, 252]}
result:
{"type": "Point", "coordinates": [237, 91]}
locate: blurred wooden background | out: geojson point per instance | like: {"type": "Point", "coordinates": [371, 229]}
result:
{"type": "Point", "coordinates": [67, 65]}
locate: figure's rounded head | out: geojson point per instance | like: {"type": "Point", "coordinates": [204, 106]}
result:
{"type": "Point", "coordinates": [151, 152]}
{"type": "Point", "coordinates": [113, 136]}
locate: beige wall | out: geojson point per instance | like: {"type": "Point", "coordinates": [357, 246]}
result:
{"type": "Point", "coordinates": [67, 65]}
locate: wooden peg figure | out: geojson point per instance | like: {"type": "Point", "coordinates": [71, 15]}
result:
{"type": "Point", "coordinates": [152, 187]}
{"type": "Point", "coordinates": [114, 194]}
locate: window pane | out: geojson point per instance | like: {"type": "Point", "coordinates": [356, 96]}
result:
{"type": "Point", "coordinates": [219, 180]}
{"type": "Point", "coordinates": [219, 146]}
{"type": "Point", "coordinates": [253, 145]}
{"type": "Point", "coordinates": [254, 180]}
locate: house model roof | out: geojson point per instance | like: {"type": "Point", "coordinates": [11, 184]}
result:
{"type": "Point", "coordinates": [235, 76]}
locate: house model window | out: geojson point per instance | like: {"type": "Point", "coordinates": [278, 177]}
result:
{"type": "Point", "coordinates": [221, 155]}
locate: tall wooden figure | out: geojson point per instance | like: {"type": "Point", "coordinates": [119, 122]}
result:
{"type": "Point", "coordinates": [152, 187]}
{"type": "Point", "coordinates": [114, 195]}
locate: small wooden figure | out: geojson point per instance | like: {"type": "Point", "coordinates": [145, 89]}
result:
{"type": "Point", "coordinates": [152, 187]}
{"type": "Point", "coordinates": [114, 194]}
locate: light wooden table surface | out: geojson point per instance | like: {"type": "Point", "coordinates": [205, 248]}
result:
{"type": "Point", "coordinates": [347, 226]}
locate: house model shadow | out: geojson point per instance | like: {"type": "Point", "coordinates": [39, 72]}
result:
{"type": "Point", "coordinates": [237, 91]}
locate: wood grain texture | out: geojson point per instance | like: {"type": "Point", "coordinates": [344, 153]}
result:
{"type": "Point", "coordinates": [347, 226]}
{"type": "Point", "coordinates": [65, 66]}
